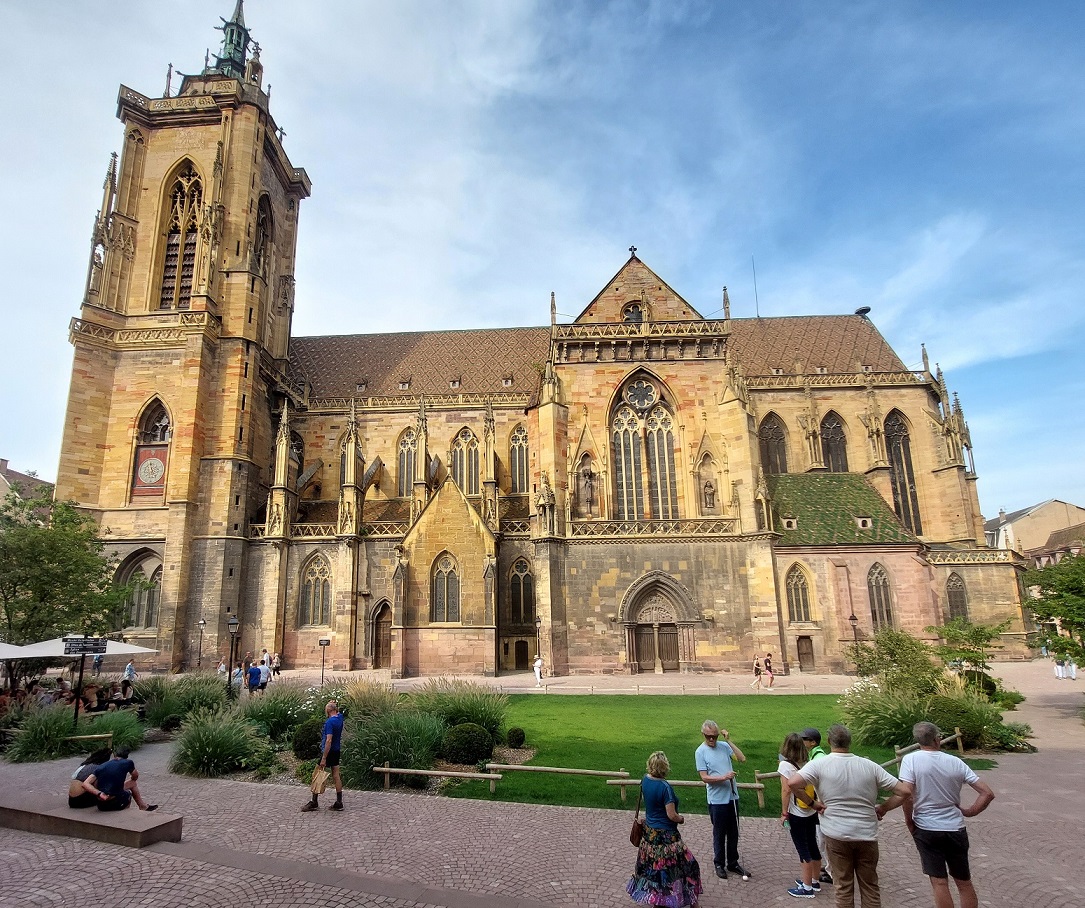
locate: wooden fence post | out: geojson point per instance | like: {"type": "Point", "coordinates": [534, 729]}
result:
{"type": "Point", "coordinates": [960, 741]}
{"type": "Point", "coordinates": [387, 776]}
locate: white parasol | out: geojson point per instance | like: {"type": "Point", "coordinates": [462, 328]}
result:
{"type": "Point", "coordinates": [54, 649]}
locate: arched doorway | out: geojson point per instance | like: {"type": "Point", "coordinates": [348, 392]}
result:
{"type": "Point", "coordinates": [655, 636]}
{"type": "Point", "coordinates": [382, 637]}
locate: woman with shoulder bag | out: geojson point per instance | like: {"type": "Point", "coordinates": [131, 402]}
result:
{"type": "Point", "coordinates": [666, 872]}
{"type": "Point", "coordinates": [800, 818]}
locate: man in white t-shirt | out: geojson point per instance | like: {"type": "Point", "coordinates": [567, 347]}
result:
{"type": "Point", "coordinates": [848, 786]}
{"type": "Point", "coordinates": [934, 814]}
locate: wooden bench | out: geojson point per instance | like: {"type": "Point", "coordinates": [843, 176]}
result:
{"type": "Point", "coordinates": [50, 814]}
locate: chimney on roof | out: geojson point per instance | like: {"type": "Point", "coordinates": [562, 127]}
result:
{"type": "Point", "coordinates": [1001, 514]}
{"type": "Point", "coordinates": [3, 465]}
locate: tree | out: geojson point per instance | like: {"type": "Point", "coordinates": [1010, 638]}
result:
{"type": "Point", "coordinates": [1059, 597]}
{"type": "Point", "coordinates": [902, 662]}
{"type": "Point", "coordinates": [54, 577]}
{"type": "Point", "coordinates": [965, 643]}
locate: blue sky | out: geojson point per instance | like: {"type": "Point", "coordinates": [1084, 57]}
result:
{"type": "Point", "coordinates": [468, 158]}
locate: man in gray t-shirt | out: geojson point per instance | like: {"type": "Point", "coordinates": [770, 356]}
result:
{"type": "Point", "coordinates": [934, 814]}
{"type": "Point", "coordinates": [848, 786]}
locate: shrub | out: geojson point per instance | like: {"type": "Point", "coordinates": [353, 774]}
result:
{"type": "Point", "coordinates": [459, 702]}
{"type": "Point", "coordinates": [880, 717]}
{"type": "Point", "coordinates": [41, 735]}
{"type": "Point", "coordinates": [279, 711]}
{"type": "Point", "coordinates": [1008, 699]}
{"type": "Point", "coordinates": [980, 682]}
{"type": "Point", "coordinates": [306, 741]}
{"type": "Point", "coordinates": [1008, 736]}
{"type": "Point", "coordinates": [468, 743]}
{"type": "Point", "coordinates": [516, 737]}
{"type": "Point", "coordinates": [407, 740]}
{"type": "Point", "coordinates": [199, 692]}
{"type": "Point", "coordinates": [125, 725]}
{"type": "Point", "coordinates": [970, 712]}
{"type": "Point", "coordinates": [899, 660]}
{"type": "Point", "coordinates": [171, 722]}
{"type": "Point", "coordinates": [151, 689]}
{"type": "Point", "coordinates": [214, 743]}
{"type": "Point", "coordinates": [365, 699]}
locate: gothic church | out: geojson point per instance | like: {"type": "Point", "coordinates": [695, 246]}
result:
{"type": "Point", "coordinates": [639, 490]}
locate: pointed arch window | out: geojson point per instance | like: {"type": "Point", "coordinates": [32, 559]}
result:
{"type": "Point", "coordinates": [834, 444]}
{"type": "Point", "coordinates": [152, 452]}
{"type": "Point", "coordinates": [261, 247]}
{"type": "Point", "coordinates": [185, 202]}
{"type": "Point", "coordinates": [881, 605]}
{"type": "Point", "coordinates": [445, 598]}
{"type": "Point", "coordinates": [772, 438]}
{"type": "Point", "coordinates": [465, 462]}
{"type": "Point", "coordinates": [634, 312]}
{"type": "Point", "coordinates": [518, 461]}
{"type": "Point", "coordinates": [522, 593]}
{"type": "Point", "coordinates": [798, 595]}
{"type": "Point", "coordinates": [902, 477]}
{"type": "Point", "coordinates": [315, 606]}
{"type": "Point", "coordinates": [628, 466]}
{"type": "Point", "coordinates": [662, 478]}
{"type": "Point", "coordinates": [956, 597]}
{"type": "Point", "coordinates": [408, 450]}
{"type": "Point", "coordinates": [141, 609]}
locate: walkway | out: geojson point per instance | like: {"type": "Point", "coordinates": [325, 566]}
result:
{"type": "Point", "coordinates": [247, 844]}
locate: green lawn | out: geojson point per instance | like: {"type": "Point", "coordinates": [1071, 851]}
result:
{"type": "Point", "coordinates": [619, 732]}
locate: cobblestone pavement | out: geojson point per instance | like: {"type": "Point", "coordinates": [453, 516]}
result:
{"type": "Point", "coordinates": [248, 844]}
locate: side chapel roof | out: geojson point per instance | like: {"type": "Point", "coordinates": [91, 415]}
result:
{"type": "Point", "coordinates": [826, 506]}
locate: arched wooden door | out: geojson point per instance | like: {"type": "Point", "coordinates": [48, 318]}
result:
{"type": "Point", "coordinates": [522, 662]}
{"type": "Point", "coordinates": [655, 637]}
{"type": "Point", "coordinates": [382, 638]}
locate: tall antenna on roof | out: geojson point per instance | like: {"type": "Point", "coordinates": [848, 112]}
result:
{"type": "Point", "coordinates": [756, 303]}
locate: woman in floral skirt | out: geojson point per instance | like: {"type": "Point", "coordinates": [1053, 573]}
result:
{"type": "Point", "coordinates": [667, 873]}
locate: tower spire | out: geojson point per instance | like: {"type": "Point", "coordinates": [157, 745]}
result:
{"type": "Point", "coordinates": [230, 61]}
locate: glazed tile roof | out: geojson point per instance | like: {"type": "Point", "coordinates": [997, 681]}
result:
{"type": "Point", "coordinates": [838, 343]}
{"type": "Point", "coordinates": [481, 359]}
{"type": "Point", "coordinates": [825, 507]}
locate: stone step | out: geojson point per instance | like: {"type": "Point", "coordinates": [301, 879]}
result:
{"type": "Point", "coordinates": [51, 815]}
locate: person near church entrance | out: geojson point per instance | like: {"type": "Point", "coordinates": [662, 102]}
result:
{"type": "Point", "coordinates": [253, 678]}
{"type": "Point", "coordinates": [538, 665]}
{"type": "Point", "coordinates": [331, 747]}
{"type": "Point", "coordinates": [714, 763]}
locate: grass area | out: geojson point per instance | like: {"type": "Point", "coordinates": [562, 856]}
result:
{"type": "Point", "coordinates": [620, 731]}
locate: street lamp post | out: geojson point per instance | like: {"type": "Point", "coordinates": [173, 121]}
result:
{"type": "Point", "coordinates": [538, 636]}
{"type": "Point", "coordinates": [232, 624]}
{"type": "Point", "coordinates": [324, 644]}
{"type": "Point", "coordinates": [854, 622]}
{"type": "Point", "coordinates": [199, 653]}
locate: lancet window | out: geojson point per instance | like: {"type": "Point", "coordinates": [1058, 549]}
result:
{"type": "Point", "coordinates": [772, 437]}
{"type": "Point", "coordinates": [518, 461]}
{"type": "Point", "coordinates": [445, 598]}
{"type": "Point", "coordinates": [642, 436]}
{"type": "Point", "coordinates": [798, 595]}
{"type": "Point", "coordinates": [902, 477]}
{"type": "Point", "coordinates": [408, 450]}
{"type": "Point", "coordinates": [834, 444]}
{"type": "Point", "coordinates": [465, 462]}
{"type": "Point", "coordinates": [956, 597]}
{"type": "Point", "coordinates": [522, 593]}
{"type": "Point", "coordinates": [881, 604]}
{"type": "Point", "coordinates": [315, 606]}
{"type": "Point", "coordinates": [185, 202]}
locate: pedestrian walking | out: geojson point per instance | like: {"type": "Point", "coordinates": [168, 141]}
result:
{"type": "Point", "coordinates": [934, 815]}
{"type": "Point", "coordinates": [757, 671]}
{"type": "Point", "coordinates": [770, 678]}
{"type": "Point", "coordinates": [538, 666]}
{"type": "Point", "coordinates": [331, 738]}
{"type": "Point", "coordinates": [129, 673]}
{"type": "Point", "coordinates": [714, 763]}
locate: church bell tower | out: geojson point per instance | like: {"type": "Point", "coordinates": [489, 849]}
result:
{"type": "Point", "coordinates": [182, 341]}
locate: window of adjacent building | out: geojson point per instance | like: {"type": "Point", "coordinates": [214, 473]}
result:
{"type": "Point", "coordinates": [315, 605]}
{"type": "Point", "coordinates": [881, 606]}
{"type": "Point", "coordinates": [185, 202]}
{"type": "Point", "coordinates": [408, 449]}
{"type": "Point", "coordinates": [522, 593]}
{"type": "Point", "coordinates": [834, 444]}
{"type": "Point", "coordinates": [642, 436]}
{"type": "Point", "coordinates": [518, 461]}
{"type": "Point", "coordinates": [798, 595]}
{"type": "Point", "coordinates": [152, 452]}
{"type": "Point", "coordinates": [772, 439]}
{"type": "Point", "coordinates": [445, 599]}
{"type": "Point", "coordinates": [956, 597]}
{"type": "Point", "coordinates": [902, 477]}
{"type": "Point", "coordinates": [465, 462]}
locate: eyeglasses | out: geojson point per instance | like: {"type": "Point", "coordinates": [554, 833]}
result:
{"type": "Point", "coordinates": [710, 737]}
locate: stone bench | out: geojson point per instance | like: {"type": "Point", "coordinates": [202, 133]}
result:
{"type": "Point", "coordinates": [51, 815]}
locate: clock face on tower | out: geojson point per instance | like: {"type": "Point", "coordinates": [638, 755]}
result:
{"type": "Point", "coordinates": [151, 471]}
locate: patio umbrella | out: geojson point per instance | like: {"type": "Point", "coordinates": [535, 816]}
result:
{"type": "Point", "coordinates": [54, 649]}
{"type": "Point", "coordinates": [7, 651]}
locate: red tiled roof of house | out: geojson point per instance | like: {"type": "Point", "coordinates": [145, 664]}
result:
{"type": "Point", "coordinates": [26, 485]}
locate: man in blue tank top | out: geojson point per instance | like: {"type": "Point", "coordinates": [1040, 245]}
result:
{"type": "Point", "coordinates": [330, 746]}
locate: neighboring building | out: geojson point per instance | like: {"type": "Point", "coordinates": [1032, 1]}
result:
{"type": "Point", "coordinates": [26, 485]}
{"type": "Point", "coordinates": [642, 489]}
{"type": "Point", "coordinates": [1067, 541]}
{"type": "Point", "coordinates": [1030, 528]}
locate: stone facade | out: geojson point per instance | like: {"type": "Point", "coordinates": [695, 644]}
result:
{"type": "Point", "coordinates": [633, 491]}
